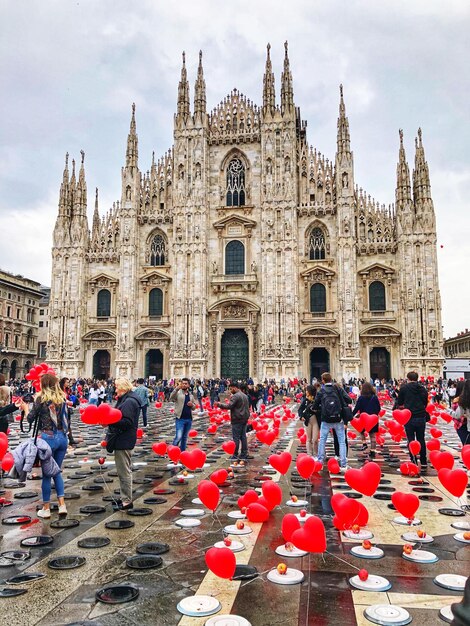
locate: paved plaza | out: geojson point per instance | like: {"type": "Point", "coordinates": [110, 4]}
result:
{"type": "Point", "coordinates": [325, 597]}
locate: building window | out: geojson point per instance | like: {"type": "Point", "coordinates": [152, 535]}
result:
{"type": "Point", "coordinates": [377, 296]}
{"type": "Point", "coordinates": [41, 311]}
{"type": "Point", "coordinates": [29, 340]}
{"type": "Point", "coordinates": [41, 324]}
{"type": "Point", "coordinates": [316, 247]}
{"type": "Point", "coordinates": [8, 311]}
{"type": "Point", "coordinates": [17, 339]}
{"type": "Point", "coordinates": [7, 340]}
{"type": "Point", "coordinates": [155, 303]}
{"type": "Point", "coordinates": [42, 350]}
{"type": "Point", "coordinates": [235, 183]}
{"type": "Point", "coordinates": [18, 314]}
{"type": "Point", "coordinates": [103, 308]}
{"type": "Point", "coordinates": [317, 298]}
{"type": "Point", "coordinates": [157, 251]}
{"type": "Point", "coordinates": [235, 258]}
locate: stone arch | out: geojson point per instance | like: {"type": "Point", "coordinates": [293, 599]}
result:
{"type": "Point", "coordinates": [156, 248]}
{"type": "Point", "coordinates": [313, 247]}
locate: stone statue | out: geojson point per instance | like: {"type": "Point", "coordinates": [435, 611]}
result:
{"type": "Point", "coordinates": [254, 267]}
{"type": "Point", "coordinates": [215, 267]}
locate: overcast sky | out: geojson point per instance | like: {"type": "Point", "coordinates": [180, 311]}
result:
{"type": "Point", "coordinates": [69, 72]}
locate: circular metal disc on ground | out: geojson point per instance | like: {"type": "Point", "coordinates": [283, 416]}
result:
{"type": "Point", "coordinates": [430, 498]}
{"type": "Point", "coordinates": [236, 515]}
{"type": "Point", "coordinates": [423, 489]}
{"type": "Point", "coordinates": [117, 594]}
{"type": "Point", "coordinates": [461, 525]}
{"type": "Point", "coordinates": [92, 488]}
{"type": "Point", "coordinates": [38, 540]}
{"type": "Point", "coordinates": [199, 606]}
{"type": "Point", "coordinates": [66, 562]}
{"type": "Point", "coordinates": [245, 572]}
{"type": "Point", "coordinates": [164, 492]}
{"type": "Point", "coordinates": [353, 495]}
{"type": "Point", "coordinates": [72, 495]}
{"type": "Point", "coordinates": [65, 523]}
{"type": "Point", "coordinates": [455, 582]}
{"type": "Point", "coordinates": [362, 534]}
{"type": "Point", "coordinates": [10, 593]}
{"type": "Point", "coordinates": [92, 509]}
{"type": "Point", "coordinates": [23, 495]}
{"type": "Point", "coordinates": [6, 503]}
{"type": "Point", "coordinates": [235, 546]}
{"type": "Point", "coordinates": [387, 615]}
{"type": "Point", "coordinates": [421, 556]}
{"type": "Point", "coordinates": [139, 512]}
{"type": "Point", "coordinates": [294, 552]}
{"type": "Point", "coordinates": [16, 555]}
{"type": "Point", "coordinates": [291, 577]}
{"type": "Point", "coordinates": [382, 496]}
{"type": "Point", "coordinates": [233, 530]}
{"type": "Point", "coordinates": [413, 536]}
{"type": "Point", "coordinates": [403, 521]}
{"type": "Point", "coordinates": [196, 501]}
{"type": "Point", "coordinates": [94, 542]}
{"type": "Point", "coordinates": [16, 519]}
{"type": "Point", "coordinates": [452, 512]}
{"type": "Point", "coordinates": [144, 561]}
{"type": "Point", "coordinates": [297, 503]}
{"type": "Point", "coordinates": [418, 483]}
{"type": "Point", "coordinates": [373, 583]}
{"type": "Point", "coordinates": [446, 614]}
{"type": "Point", "coordinates": [155, 500]}
{"type": "Point", "coordinates": [119, 524]}
{"type": "Point", "coordinates": [27, 577]}
{"type": "Point", "coordinates": [152, 548]}
{"type": "Point", "coordinates": [227, 620]}
{"type": "Point", "coordinates": [188, 522]}
{"type": "Point", "coordinates": [362, 553]}
{"type": "Point", "coordinates": [171, 466]}
{"type": "Point", "coordinates": [193, 513]}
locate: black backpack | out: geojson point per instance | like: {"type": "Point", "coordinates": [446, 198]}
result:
{"type": "Point", "coordinates": [331, 406]}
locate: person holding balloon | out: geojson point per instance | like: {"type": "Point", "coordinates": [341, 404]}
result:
{"type": "Point", "coordinates": [49, 417]}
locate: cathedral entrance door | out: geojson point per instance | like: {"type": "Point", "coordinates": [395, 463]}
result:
{"type": "Point", "coordinates": [319, 362]}
{"type": "Point", "coordinates": [13, 367]}
{"type": "Point", "coordinates": [379, 363]}
{"type": "Point", "coordinates": [101, 364]}
{"type": "Point", "coordinates": [154, 364]}
{"type": "Point", "coordinates": [234, 361]}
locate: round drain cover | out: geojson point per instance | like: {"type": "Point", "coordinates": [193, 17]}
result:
{"type": "Point", "coordinates": [16, 555]}
{"type": "Point", "coordinates": [353, 495]}
{"type": "Point", "coordinates": [291, 577]}
{"type": "Point", "coordinates": [418, 483]}
{"type": "Point", "coordinates": [452, 512]}
{"type": "Point", "coordinates": [446, 614]}
{"type": "Point", "coordinates": [193, 513]}
{"type": "Point", "coordinates": [382, 496]}
{"type": "Point", "coordinates": [152, 548]}
{"type": "Point", "coordinates": [21, 579]}
{"type": "Point", "coordinates": [66, 562]}
{"type": "Point", "coordinates": [373, 583]}
{"type": "Point", "coordinates": [199, 606]}
{"type": "Point", "coordinates": [65, 523]}
{"type": "Point", "coordinates": [72, 495]}
{"type": "Point", "coordinates": [144, 561]}
{"type": "Point", "coordinates": [188, 522]}
{"type": "Point", "coordinates": [423, 489]}
{"type": "Point", "coordinates": [103, 479]}
{"type": "Point", "coordinates": [6, 503]}
{"type": "Point", "coordinates": [387, 615]}
{"type": "Point", "coordinates": [245, 572]}
{"type": "Point", "coordinates": [142, 481]}
{"type": "Point", "coordinates": [403, 521]}
{"type": "Point", "coordinates": [139, 512]}
{"type": "Point", "coordinates": [455, 582]}
{"type": "Point", "coordinates": [92, 488]}
{"type": "Point", "coordinates": [177, 482]}
{"type": "Point", "coordinates": [16, 519]}
{"type": "Point", "coordinates": [117, 594]}
{"type": "Point", "coordinates": [10, 593]}
{"type": "Point", "coordinates": [92, 509]}
{"type": "Point", "coordinates": [235, 546]}
{"type": "Point", "coordinates": [163, 492]}
{"type": "Point", "coordinates": [461, 525]}
{"type": "Point", "coordinates": [119, 524]}
{"type": "Point", "coordinates": [296, 503]}
{"type": "Point", "coordinates": [23, 495]}
{"type": "Point", "coordinates": [233, 530]}
{"type": "Point", "coordinates": [361, 535]}
{"type": "Point", "coordinates": [94, 542]}
{"type": "Point", "coordinates": [283, 551]}
{"type": "Point", "coordinates": [420, 556]}
{"type": "Point", "coordinates": [155, 500]}
{"type": "Point", "coordinates": [362, 553]}
{"type": "Point", "coordinates": [38, 540]}
{"type": "Point", "coordinates": [415, 538]}
{"type": "Point", "coordinates": [227, 620]}
{"type": "Point", "coordinates": [430, 498]}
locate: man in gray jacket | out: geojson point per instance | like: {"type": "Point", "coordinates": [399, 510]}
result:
{"type": "Point", "coordinates": [239, 408]}
{"type": "Point", "coordinates": [185, 402]}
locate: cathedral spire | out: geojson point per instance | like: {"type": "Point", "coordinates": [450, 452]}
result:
{"type": "Point", "coordinates": [403, 190]}
{"type": "Point", "coordinates": [343, 138]}
{"type": "Point", "coordinates": [183, 93]}
{"type": "Point", "coordinates": [132, 152]}
{"type": "Point", "coordinates": [64, 188]}
{"type": "Point", "coordinates": [421, 181]}
{"type": "Point", "coordinates": [269, 93]}
{"type": "Point", "coordinates": [96, 218]}
{"type": "Point", "coordinates": [80, 199]}
{"type": "Point", "coordinates": [200, 90]}
{"type": "Point", "coordinates": [287, 90]}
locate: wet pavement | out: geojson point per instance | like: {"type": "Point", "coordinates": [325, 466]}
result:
{"type": "Point", "coordinates": [325, 597]}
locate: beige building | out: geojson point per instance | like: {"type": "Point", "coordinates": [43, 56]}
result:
{"type": "Point", "coordinates": [19, 306]}
{"type": "Point", "coordinates": [458, 347]}
{"type": "Point", "coordinates": [244, 251]}
{"type": "Point", "coordinates": [43, 323]}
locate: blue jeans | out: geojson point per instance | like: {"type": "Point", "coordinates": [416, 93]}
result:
{"type": "Point", "coordinates": [93, 401]}
{"type": "Point", "coordinates": [144, 414]}
{"type": "Point", "coordinates": [183, 426]}
{"type": "Point", "coordinates": [58, 444]}
{"type": "Point", "coordinates": [338, 428]}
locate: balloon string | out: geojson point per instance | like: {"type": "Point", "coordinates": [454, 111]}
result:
{"type": "Point", "coordinates": [342, 560]}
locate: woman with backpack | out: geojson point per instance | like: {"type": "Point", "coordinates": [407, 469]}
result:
{"type": "Point", "coordinates": [310, 419]}
{"type": "Point", "coordinates": [368, 403]}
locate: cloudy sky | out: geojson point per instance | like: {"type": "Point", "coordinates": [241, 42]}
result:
{"type": "Point", "coordinates": [70, 70]}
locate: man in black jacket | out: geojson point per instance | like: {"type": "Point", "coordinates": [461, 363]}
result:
{"type": "Point", "coordinates": [239, 408]}
{"type": "Point", "coordinates": [414, 397]}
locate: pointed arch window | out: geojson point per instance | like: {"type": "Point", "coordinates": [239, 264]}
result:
{"type": "Point", "coordinates": [235, 192]}
{"type": "Point", "coordinates": [316, 247]}
{"type": "Point", "coordinates": [155, 302]}
{"type": "Point", "coordinates": [235, 258]}
{"type": "Point", "coordinates": [103, 303]}
{"type": "Point", "coordinates": [317, 298]}
{"type": "Point", "coordinates": [377, 296]}
{"type": "Point", "coordinates": [158, 250]}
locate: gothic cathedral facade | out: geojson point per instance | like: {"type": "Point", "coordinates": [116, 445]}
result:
{"type": "Point", "coordinates": [243, 251]}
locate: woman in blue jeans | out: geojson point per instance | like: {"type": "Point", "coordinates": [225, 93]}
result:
{"type": "Point", "coordinates": [49, 416]}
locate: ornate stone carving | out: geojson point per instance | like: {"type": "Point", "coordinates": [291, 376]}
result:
{"type": "Point", "coordinates": [234, 311]}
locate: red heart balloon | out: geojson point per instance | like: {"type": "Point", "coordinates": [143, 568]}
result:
{"type": "Point", "coordinates": [346, 509]}
{"type": "Point", "coordinates": [247, 498]}
{"type": "Point", "coordinates": [369, 421]}
{"type": "Point", "coordinates": [433, 444]}
{"type": "Point", "coordinates": [401, 416]}
{"type": "Point", "coordinates": [219, 476]}
{"type": "Point", "coordinates": [436, 433]}
{"type": "Point", "coordinates": [333, 466]}
{"type": "Point", "coordinates": [455, 481]}
{"type": "Point", "coordinates": [209, 494]}
{"type": "Point", "coordinates": [441, 460]}
{"type": "Point", "coordinates": [405, 503]}
{"type": "Point", "coordinates": [174, 453]}
{"type": "Point", "coordinates": [221, 562]}
{"type": "Point", "coordinates": [363, 517]}
{"type": "Point", "coordinates": [312, 537]}
{"type": "Point", "coordinates": [409, 469]}
{"type": "Point", "coordinates": [160, 448]}
{"type": "Point", "coordinates": [272, 492]}
{"type": "Point", "coordinates": [192, 433]}
{"type": "Point", "coordinates": [7, 462]}
{"type": "Point", "coordinates": [257, 513]}
{"type": "Point", "coordinates": [281, 462]}
{"type": "Point", "coordinates": [289, 524]}
{"type": "Point", "coordinates": [228, 447]}
{"type": "Point", "coordinates": [357, 423]}
{"type": "Point", "coordinates": [415, 447]}
{"type": "Point", "coordinates": [466, 456]}
{"type": "Point", "coordinates": [3, 444]}
{"type": "Point", "coordinates": [305, 465]}
{"type": "Point", "coordinates": [365, 480]}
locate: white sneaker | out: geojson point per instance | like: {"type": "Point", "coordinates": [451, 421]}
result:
{"type": "Point", "coordinates": [345, 468]}
{"type": "Point", "coordinates": [62, 510]}
{"type": "Point", "coordinates": [44, 513]}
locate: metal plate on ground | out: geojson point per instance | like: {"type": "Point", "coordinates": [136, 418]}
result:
{"type": "Point", "coordinates": [37, 541]}
{"type": "Point", "coordinates": [233, 530]}
{"type": "Point", "coordinates": [72, 495]}
{"type": "Point", "coordinates": [446, 614]}
{"type": "Point", "coordinates": [139, 511]}
{"type": "Point", "coordinates": [16, 519]}
{"type": "Point", "coordinates": [163, 492]}
{"type": "Point", "coordinates": [373, 583]}
{"type": "Point", "coordinates": [24, 495]}
{"type": "Point", "coordinates": [16, 555]}
{"type": "Point", "coordinates": [94, 542]}
{"type": "Point", "coordinates": [362, 553]}
{"type": "Point", "coordinates": [235, 546]}
{"type": "Point", "coordinates": [403, 521]}
{"type": "Point", "coordinates": [296, 503]}
{"type": "Point", "coordinates": [421, 556]}
{"type": "Point", "coordinates": [153, 548]}
{"type": "Point", "coordinates": [193, 512]}
{"type": "Point", "coordinates": [431, 498]}
{"type": "Point", "coordinates": [155, 500]}
{"type": "Point", "coordinates": [196, 501]}
{"type": "Point", "coordinates": [65, 523]}
{"type": "Point", "coordinates": [454, 582]}
{"type": "Point", "coordinates": [382, 496]}
{"type": "Point", "coordinates": [117, 594]}
{"type": "Point", "coordinates": [236, 515]}
{"type": "Point", "coordinates": [416, 538]}
{"type": "Point", "coordinates": [387, 615]}
{"type": "Point", "coordinates": [290, 552]}
{"type": "Point", "coordinates": [188, 522]}
{"type": "Point", "coordinates": [227, 620]}
{"type": "Point", "coordinates": [461, 525]}
{"type": "Point", "coordinates": [92, 509]}
{"type": "Point", "coordinates": [119, 524]}
{"type": "Point", "coordinates": [245, 572]}
{"type": "Point", "coordinates": [92, 488]}
{"type": "Point", "coordinates": [27, 577]}
{"type": "Point", "coordinates": [291, 577]}
{"type": "Point", "coordinates": [144, 561]}
{"type": "Point", "coordinates": [418, 483]}
{"type": "Point", "coordinates": [10, 593]}
{"type": "Point", "coordinates": [199, 606]}
{"type": "Point", "coordinates": [452, 512]}
{"type": "Point", "coordinates": [362, 534]}
{"type": "Point", "coordinates": [67, 562]}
